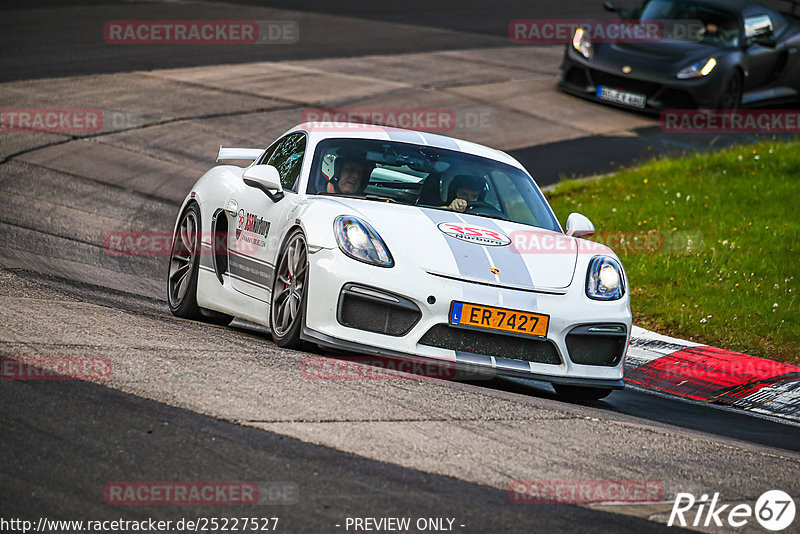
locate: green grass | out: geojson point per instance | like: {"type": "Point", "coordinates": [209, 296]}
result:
{"type": "Point", "coordinates": [735, 285]}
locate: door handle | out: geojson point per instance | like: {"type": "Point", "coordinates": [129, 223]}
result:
{"type": "Point", "coordinates": [232, 207]}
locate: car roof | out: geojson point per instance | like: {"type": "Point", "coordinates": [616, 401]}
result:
{"type": "Point", "coordinates": [319, 131]}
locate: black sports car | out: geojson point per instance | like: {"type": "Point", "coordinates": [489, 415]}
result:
{"type": "Point", "coordinates": [742, 53]}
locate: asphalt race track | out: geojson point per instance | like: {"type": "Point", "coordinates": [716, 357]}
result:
{"type": "Point", "coordinates": [192, 402]}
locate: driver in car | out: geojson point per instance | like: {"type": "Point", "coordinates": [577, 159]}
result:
{"type": "Point", "coordinates": [465, 189]}
{"type": "Point", "coordinates": [350, 175]}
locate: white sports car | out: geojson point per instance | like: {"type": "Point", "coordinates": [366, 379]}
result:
{"type": "Point", "coordinates": [406, 244]}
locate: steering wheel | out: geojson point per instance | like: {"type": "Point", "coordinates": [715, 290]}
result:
{"type": "Point", "coordinates": [479, 207]}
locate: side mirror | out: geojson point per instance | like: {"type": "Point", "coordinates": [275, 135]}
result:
{"type": "Point", "coordinates": [758, 29]}
{"type": "Point", "coordinates": [579, 226]}
{"type": "Point", "coordinates": [608, 6]}
{"type": "Point", "coordinates": [766, 40]}
{"type": "Point", "coordinates": [264, 177]}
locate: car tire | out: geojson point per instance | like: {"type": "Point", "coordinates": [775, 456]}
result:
{"type": "Point", "coordinates": [581, 392]}
{"type": "Point", "coordinates": [731, 96]}
{"type": "Point", "coordinates": [184, 262]}
{"type": "Point", "coordinates": [288, 300]}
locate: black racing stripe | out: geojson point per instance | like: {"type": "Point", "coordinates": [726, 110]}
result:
{"type": "Point", "coordinates": [254, 272]}
{"type": "Point", "coordinates": [239, 278]}
{"type": "Point", "coordinates": [250, 257]}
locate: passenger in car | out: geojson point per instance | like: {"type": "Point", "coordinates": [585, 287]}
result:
{"type": "Point", "coordinates": [350, 175]}
{"type": "Point", "coordinates": [463, 190]}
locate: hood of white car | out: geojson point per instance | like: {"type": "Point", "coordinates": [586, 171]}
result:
{"type": "Point", "coordinates": [470, 247]}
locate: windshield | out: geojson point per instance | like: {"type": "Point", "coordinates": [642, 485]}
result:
{"type": "Point", "coordinates": [715, 26]}
{"type": "Point", "coordinates": [429, 177]}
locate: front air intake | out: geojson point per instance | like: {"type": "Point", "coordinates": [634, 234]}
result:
{"type": "Point", "coordinates": [538, 350]}
{"type": "Point", "coordinates": [376, 311]}
{"type": "Point", "coordinates": [597, 344]}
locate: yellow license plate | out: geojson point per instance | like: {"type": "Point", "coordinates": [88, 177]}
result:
{"type": "Point", "coordinates": [491, 318]}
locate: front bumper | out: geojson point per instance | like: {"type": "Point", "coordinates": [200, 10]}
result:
{"type": "Point", "coordinates": [331, 271]}
{"type": "Point", "coordinates": [581, 78]}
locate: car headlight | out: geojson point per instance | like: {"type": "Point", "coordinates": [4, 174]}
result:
{"type": "Point", "coordinates": [361, 242]}
{"type": "Point", "coordinates": [698, 69]}
{"type": "Point", "coordinates": [604, 280]}
{"type": "Point", "coordinates": [581, 43]}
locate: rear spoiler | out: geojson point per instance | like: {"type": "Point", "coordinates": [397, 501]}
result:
{"type": "Point", "coordinates": [238, 153]}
